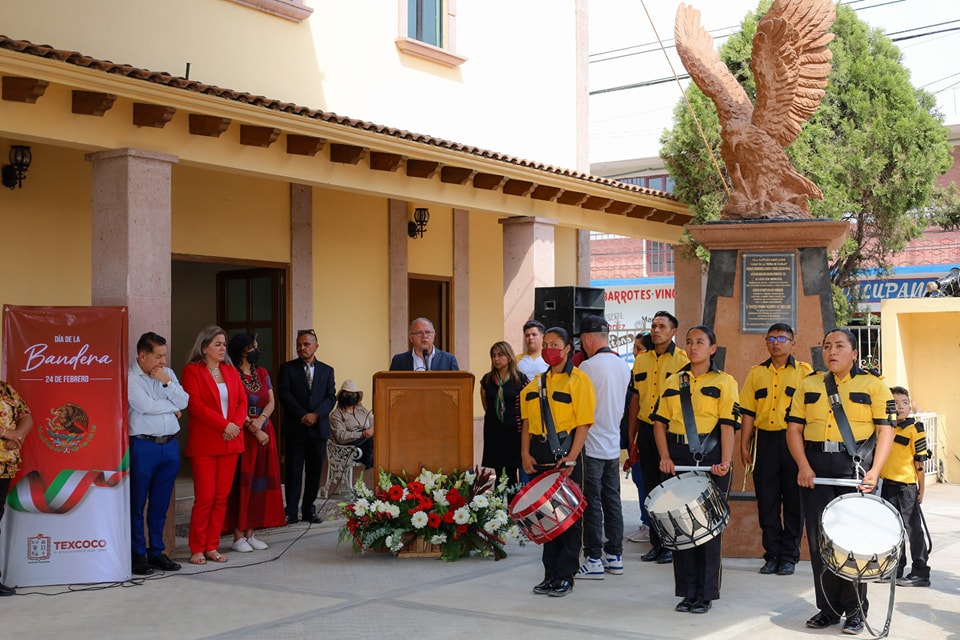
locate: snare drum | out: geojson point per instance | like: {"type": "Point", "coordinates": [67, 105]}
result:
{"type": "Point", "coordinates": [687, 510]}
{"type": "Point", "coordinates": [549, 505]}
{"type": "Point", "coordinates": [860, 537]}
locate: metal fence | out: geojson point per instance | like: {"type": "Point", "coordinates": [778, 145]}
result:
{"type": "Point", "coordinates": [930, 427]}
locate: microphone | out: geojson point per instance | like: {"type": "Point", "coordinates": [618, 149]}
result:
{"type": "Point", "coordinates": [426, 363]}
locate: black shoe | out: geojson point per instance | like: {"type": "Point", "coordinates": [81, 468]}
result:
{"type": "Point", "coordinates": [700, 606]}
{"type": "Point", "coordinates": [652, 555]}
{"type": "Point", "coordinates": [913, 581]}
{"type": "Point", "coordinates": [684, 606]}
{"type": "Point", "coordinates": [164, 563]}
{"type": "Point", "coordinates": [786, 568]}
{"type": "Point", "coordinates": [292, 519]}
{"type": "Point", "coordinates": [666, 557]}
{"type": "Point", "coordinates": [544, 587]}
{"type": "Point", "coordinates": [853, 624]}
{"type": "Point", "coordinates": [822, 620]}
{"type": "Point", "coordinates": [770, 566]}
{"type": "Point", "coordinates": [312, 518]}
{"type": "Point", "coordinates": [140, 566]}
{"type": "Point", "coordinates": [561, 587]}
{"type": "Point", "coordinates": [7, 591]}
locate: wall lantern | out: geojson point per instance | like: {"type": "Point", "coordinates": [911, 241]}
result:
{"type": "Point", "coordinates": [14, 173]}
{"type": "Point", "coordinates": [418, 226]}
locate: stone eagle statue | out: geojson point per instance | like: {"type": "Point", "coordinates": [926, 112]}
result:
{"type": "Point", "coordinates": [790, 63]}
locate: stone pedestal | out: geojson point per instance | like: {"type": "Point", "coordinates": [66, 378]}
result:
{"type": "Point", "coordinates": [798, 250]}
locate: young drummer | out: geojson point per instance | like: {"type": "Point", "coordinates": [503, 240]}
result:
{"type": "Point", "coordinates": [903, 488]}
{"type": "Point", "coordinates": [715, 399]}
{"type": "Point", "coordinates": [571, 399]}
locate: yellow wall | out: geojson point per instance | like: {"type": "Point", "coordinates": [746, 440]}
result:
{"type": "Point", "coordinates": [921, 351]}
{"type": "Point", "coordinates": [351, 285]}
{"type": "Point", "coordinates": [486, 294]}
{"type": "Point", "coordinates": [433, 253]}
{"type": "Point", "coordinates": [229, 215]}
{"type": "Point", "coordinates": [565, 255]}
{"type": "Point", "coordinates": [495, 100]}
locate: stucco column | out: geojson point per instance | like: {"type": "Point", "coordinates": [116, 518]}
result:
{"type": "Point", "coordinates": [131, 264]}
{"type": "Point", "coordinates": [583, 257]}
{"type": "Point", "coordinates": [528, 262]}
{"type": "Point", "coordinates": [131, 226]}
{"type": "Point", "coordinates": [399, 286]}
{"type": "Point", "coordinates": [461, 287]}
{"type": "Point", "coordinates": [301, 259]}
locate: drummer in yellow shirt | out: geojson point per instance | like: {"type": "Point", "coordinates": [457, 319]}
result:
{"type": "Point", "coordinates": [572, 401]}
{"type": "Point", "coordinates": [714, 398]}
{"type": "Point", "coordinates": [817, 446]}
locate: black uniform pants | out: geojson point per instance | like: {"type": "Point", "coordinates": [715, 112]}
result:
{"type": "Point", "coordinates": [649, 460]}
{"type": "Point", "coordinates": [561, 556]}
{"type": "Point", "coordinates": [778, 497]}
{"type": "Point", "coordinates": [835, 595]}
{"type": "Point", "coordinates": [697, 571]}
{"type": "Point", "coordinates": [904, 499]}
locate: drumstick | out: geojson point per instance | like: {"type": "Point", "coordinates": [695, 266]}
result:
{"type": "Point", "coordinates": [679, 468]}
{"type": "Point", "coordinates": [840, 482]}
{"type": "Point", "coordinates": [569, 463]}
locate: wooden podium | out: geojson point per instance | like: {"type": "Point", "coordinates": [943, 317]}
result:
{"type": "Point", "coordinates": [423, 419]}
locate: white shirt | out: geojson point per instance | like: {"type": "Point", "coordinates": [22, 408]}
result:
{"type": "Point", "coordinates": [418, 363]}
{"type": "Point", "coordinates": [531, 366]}
{"type": "Point", "coordinates": [151, 406]}
{"type": "Point", "coordinates": [610, 376]}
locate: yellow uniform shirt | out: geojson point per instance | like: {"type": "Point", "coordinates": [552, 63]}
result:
{"type": "Point", "coordinates": [767, 392]}
{"type": "Point", "coordinates": [714, 398]}
{"type": "Point", "coordinates": [866, 400]}
{"type": "Point", "coordinates": [650, 373]}
{"type": "Point", "coordinates": [571, 396]}
{"type": "Point", "coordinates": [909, 446]}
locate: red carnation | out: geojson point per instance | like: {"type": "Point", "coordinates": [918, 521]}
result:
{"type": "Point", "coordinates": [448, 517]}
{"type": "Point", "coordinates": [415, 488]}
{"type": "Point", "coordinates": [461, 528]}
{"type": "Point", "coordinates": [395, 492]}
{"type": "Point", "coordinates": [434, 520]}
{"type": "Point", "coordinates": [426, 503]}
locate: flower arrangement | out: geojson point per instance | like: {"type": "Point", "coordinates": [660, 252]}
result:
{"type": "Point", "coordinates": [459, 512]}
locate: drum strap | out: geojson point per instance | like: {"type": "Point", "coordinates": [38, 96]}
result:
{"type": "Point", "coordinates": [553, 440]}
{"type": "Point", "coordinates": [697, 448]}
{"type": "Point", "coordinates": [849, 442]}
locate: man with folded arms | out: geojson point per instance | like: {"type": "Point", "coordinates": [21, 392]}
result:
{"type": "Point", "coordinates": [155, 402]}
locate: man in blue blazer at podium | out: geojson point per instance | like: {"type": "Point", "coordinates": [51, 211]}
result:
{"type": "Point", "coordinates": [423, 356]}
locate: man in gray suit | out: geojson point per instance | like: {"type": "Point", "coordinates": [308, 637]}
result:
{"type": "Point", "coordinates": [423, 356]}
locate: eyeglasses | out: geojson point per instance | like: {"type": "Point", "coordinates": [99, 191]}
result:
{"type": "Point", "coordinates": [420, 334]}
{"type": "Point", "coordinates": [778, 339]}
{"type": "Point", "coordinates": [306, 332]}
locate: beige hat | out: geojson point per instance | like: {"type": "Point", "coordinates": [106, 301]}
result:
{"type": "Point", "coordinates": [349, 386]}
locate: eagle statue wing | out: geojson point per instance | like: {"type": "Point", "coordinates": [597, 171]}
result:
{"type": "Point", "coordinates": [703, 63]}
{"type": "Point", "coordinates": [790, 63]}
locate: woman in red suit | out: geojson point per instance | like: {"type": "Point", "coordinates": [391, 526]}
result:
{"type": "Point", "coordinates": [217, 408]}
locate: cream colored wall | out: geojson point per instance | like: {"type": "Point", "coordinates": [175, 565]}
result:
{"type": "Point", "coordinates": [433, 253]}
{"type": "Point", "coordinates": [229, 215]}
{"type": "Point", "coordinates": [565, 243]}
{"type": "Point", "coordinates": [46, 231]}
{"type": "Point", "coordinates": [514, 93]}
{"type": "Point", "coordinates": [350, 283]}
{"type": "Point", "coordinates": [921, 351]}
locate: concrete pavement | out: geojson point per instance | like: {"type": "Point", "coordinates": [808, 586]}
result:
{"type": "Point", "coordinates": [308, 586]}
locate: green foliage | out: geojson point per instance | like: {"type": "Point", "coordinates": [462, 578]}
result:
{"type": "Point", "coordinates": [875, 148]}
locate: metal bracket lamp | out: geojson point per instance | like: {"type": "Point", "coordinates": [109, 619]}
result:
{"type": "Point", "coordinates": [418, 226]}
{"type": "Point", "coordinates": [14, 173]}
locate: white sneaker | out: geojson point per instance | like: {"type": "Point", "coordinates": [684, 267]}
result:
{"type": "Point", "coordinates": [242, 546]}
{"type": "Point", "coordinates": [640, 535]}
{"type": "Point", "coordinates": [591, 569]}
{"type": "Point", "coordinates": [257, 544]}
{"type": "Point", "coordinates": [613, 564]}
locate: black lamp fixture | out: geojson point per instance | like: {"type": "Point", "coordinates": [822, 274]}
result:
{"type": "Point", "coordinates": [14, 173]}
{"type": "Point", "coordinates": [418, 226]}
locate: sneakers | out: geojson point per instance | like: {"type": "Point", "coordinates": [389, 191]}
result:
{"type": "Point", "coordinates": [242, 546]}
{"type": "Point", "coordinates": [257, 544]}
{"type": "Point", "coordinates": [613, 564]}
{"type": "Point", "coordinates": [592, 569]}
{"type": "Point", "coordinates": [913, 581]}
{"type": "Point", "coordinates": [640, 535]}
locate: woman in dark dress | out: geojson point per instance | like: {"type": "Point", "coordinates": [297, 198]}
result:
{"type": "Point", "coordinates": [501, 406]}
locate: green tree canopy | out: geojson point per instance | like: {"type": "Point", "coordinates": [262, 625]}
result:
{"type": "Point", "coordinates": [875, 147]}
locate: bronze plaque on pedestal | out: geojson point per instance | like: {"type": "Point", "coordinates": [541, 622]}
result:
{"type": "Point", "coordinates": [769, 290]}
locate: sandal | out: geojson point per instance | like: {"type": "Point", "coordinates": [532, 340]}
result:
{"type": "Point", "coordinates": [215, 556]}
{"type": "Point", "coordinates": [197, 558]}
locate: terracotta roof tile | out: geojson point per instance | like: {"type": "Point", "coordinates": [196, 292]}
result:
{"type": "Point", "coordinates": [76, 58]}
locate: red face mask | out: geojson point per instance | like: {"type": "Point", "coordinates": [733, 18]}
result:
{"type": "Point", "coordinates": [552, 356]}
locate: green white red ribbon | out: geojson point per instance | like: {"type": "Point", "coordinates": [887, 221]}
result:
{"type": "Point", "coordinates": [66, 491]}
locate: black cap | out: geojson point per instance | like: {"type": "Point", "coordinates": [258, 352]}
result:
{"type": "Point", "coordinates": [594, 324]}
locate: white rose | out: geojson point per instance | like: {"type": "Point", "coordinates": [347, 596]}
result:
{"type": "Point", "coordinates": [461, 515]}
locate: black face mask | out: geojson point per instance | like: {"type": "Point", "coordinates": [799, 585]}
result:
{"type": "Point", "coordinates": [253, 356]}
{"type": "Point", "coordinates": [349, 399]}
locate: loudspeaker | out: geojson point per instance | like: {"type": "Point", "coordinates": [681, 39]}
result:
{"type": "Point", "coordinates": [566, 306]}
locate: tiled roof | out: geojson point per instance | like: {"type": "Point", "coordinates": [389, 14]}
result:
{"type": "Point", "coordinates": [163, 78]}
